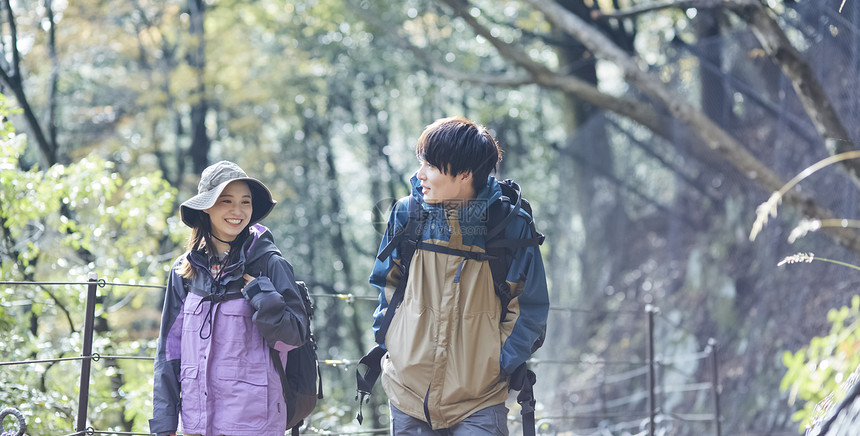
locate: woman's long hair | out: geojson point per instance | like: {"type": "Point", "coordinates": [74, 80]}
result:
{"type": "Point", "coordinates": [201, 237]}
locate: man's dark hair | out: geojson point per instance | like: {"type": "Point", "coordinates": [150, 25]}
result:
{"type": "Point", "coordinates": [456, 145]}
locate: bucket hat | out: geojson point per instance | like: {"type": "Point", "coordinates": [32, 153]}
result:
{"type": "Point", "coordinates": [213, 180]}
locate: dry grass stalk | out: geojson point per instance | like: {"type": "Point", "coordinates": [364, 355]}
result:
{"type": "Point", "coordinates": [805, 226]}
{"type": "Point", "coordinates": [769, 208]}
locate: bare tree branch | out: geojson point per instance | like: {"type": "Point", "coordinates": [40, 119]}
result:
{"type": "Point", "coordinates": [13, 79]}
{"type": "Point", "coordinates": [800, 126]}
{"type": "Point", "coordinates": [712, 135]}
{"type": "Point", "coordinates": [776, 44]}
{"type": "Point", "coordinates": [13, 36]}
{"type": "Point", "coordinates": [642, 113]}
{"type": "Point", "coordinates": [815, 101]}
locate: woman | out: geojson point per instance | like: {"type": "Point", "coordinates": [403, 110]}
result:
{"type": "Point", "coordinates": [232, 311]}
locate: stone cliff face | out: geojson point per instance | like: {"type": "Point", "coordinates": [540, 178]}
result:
{"type": "Point", "coordinates": [709, 282]}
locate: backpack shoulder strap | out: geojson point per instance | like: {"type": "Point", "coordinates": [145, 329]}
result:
{"type": "Point", "coordinates": [499, 214]}
{"type": "Point", "coordinates": [502, 212]}
{"type": "Point", "coordinates": [523, 380]}
{"type": "Point", "coordinates": [502, 250]}
{"type": "Point", "coordinates": [372, 363]}
{"type": "Point", "coordinates": [256, 268]}
{"type": "Point", "coordinates": [260, 266]}
{"type": "Point", "coordinates": [400, 232]}
{"type": "Point", "coordinates": [500, 224]}
{"type": "Point", "coordinates": [213, 298]}
{"type": "Point", "coordinates": [406, 240]}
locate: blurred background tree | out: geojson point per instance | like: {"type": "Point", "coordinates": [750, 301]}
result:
{"type": "Point", "coordinates": [645, 135]}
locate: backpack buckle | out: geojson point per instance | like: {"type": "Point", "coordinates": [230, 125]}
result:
{"type": "Point", "coordinates": [362, 397]}
{"type": "Point", "coordinates": [218, 298]}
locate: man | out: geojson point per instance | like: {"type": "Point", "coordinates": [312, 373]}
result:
{"type": "Point", "coordinates": [450, 346]}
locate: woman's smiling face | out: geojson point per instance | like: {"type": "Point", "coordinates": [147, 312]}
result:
{"type": "Point", "coordinates": [232, 211]}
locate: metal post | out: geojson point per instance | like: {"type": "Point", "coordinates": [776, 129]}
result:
{"type": "Point", "coordinates": [86, 362]}
{"type": "Point", "coordinates": [602, 380]}
{"type": "Point", "coordinates": [715, 382]}
{"type": "Point", "coordinates": [652, 404]}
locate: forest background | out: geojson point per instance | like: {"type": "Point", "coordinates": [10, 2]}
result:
{"type": "Point", "coordinates": [647, 136]}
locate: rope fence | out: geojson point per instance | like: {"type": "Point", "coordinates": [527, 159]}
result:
{"type": "Point", "coordinates": [646, 420]}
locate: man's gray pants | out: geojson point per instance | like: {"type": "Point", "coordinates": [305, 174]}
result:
{"type": "Point", "coordinates": [489, 421]}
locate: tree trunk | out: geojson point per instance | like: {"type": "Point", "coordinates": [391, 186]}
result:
{"type": "Point", "coordinates": [54, 76]}
{"type": "Point", "coordinates": [10, 75]}
{"type": "Point", "coordinates": [603, 217]}
{"type": "Point", "coordinates": [714, 99]}
{"type": "Point", "coordinates": [384, 186]}
{"type": "Point", "coordinates": [199, 107]}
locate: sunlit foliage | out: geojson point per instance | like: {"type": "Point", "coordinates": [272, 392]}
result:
{"type": "Point", "coordinates": [59, 224]}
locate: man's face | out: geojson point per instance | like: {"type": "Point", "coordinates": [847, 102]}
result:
{"type": "Point", "coordinates": [438, 187]}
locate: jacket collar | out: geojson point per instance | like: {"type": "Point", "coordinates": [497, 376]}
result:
{"type": "Point", "coordinates": [258, 243]}
{"type": "Point", "coordinates": [491, 192]}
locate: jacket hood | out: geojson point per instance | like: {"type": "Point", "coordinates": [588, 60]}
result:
{"type": "Point", "coordinates": [259, 243]}
{"type": "Point", "coordinates": [491, 192]}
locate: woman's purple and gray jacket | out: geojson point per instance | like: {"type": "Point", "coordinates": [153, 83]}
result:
{"type": "Point", "coordinates": [213, 364]}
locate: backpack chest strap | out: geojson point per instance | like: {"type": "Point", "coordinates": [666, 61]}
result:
{"type": "Point", "coordinates": [475, 255]}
